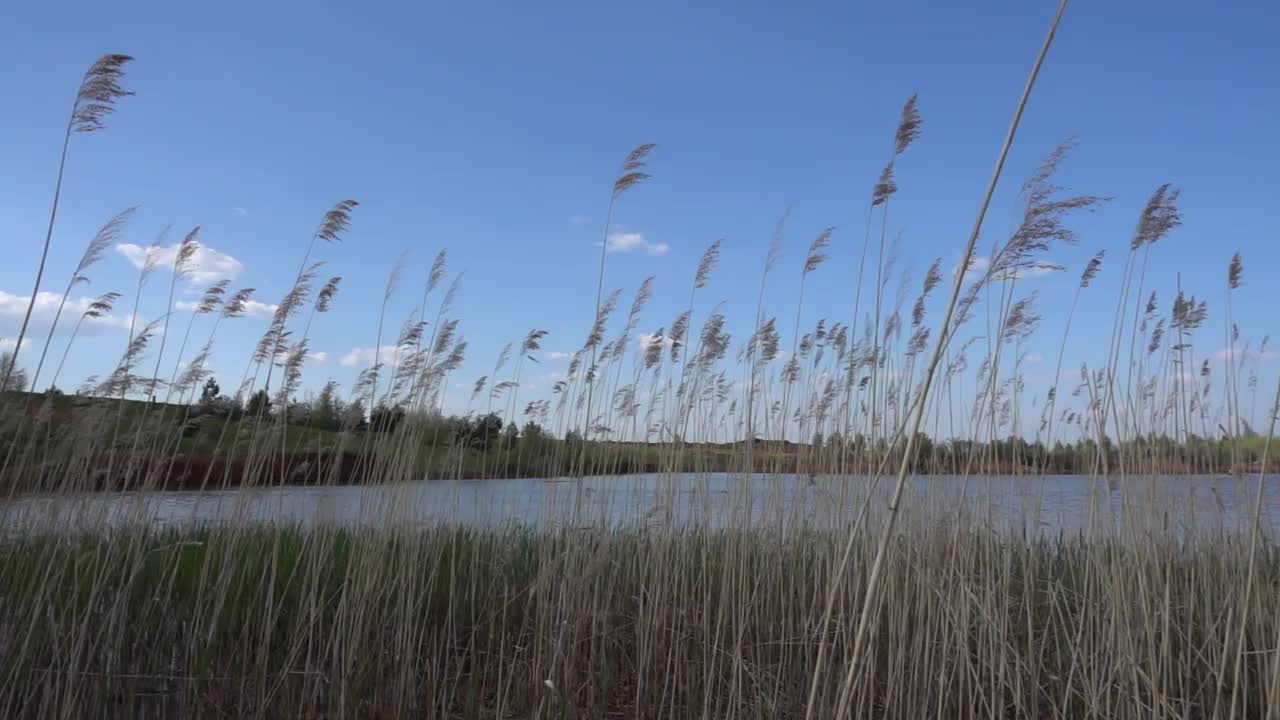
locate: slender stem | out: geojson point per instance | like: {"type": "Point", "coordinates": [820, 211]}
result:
{"type": "Point", "coordinates": [1253, 558]}
{"type": "Point", "coordinates": [48, 340]}
{"type": "Point", "coordinates": [44, 256]}
{"type": "Point", "coordinates": [66, 351]}
{"type": "Point", "coordinates": [591, 375]}
{"type": "Point", "coordinates": [168, 312]}
{"type": "Point", "coordinates": [877, 567]}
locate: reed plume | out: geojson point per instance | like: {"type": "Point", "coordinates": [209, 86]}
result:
{"type": "Point", "coordinates": [95, 100]}
{"type": "Point", "coordinates": [393, 283]}
{"type": "Point", "coordinates": [212, 297]}
{"type": "Point", "coordinates": [235, 306]}
{"type": "Point", "coordinates": [1091, 269]}
{"type": "Point", "coordinates": [1159, 217]}
{"type": "Point", "coordinates": [183, 257]}
{"type": "Point", "coordinates": [336, 221]}
{"type": "Point", "coordinates": [818, 250]}
{"type": "Point", "coordinates": [99, 90]}
{"type": "Point", "coordinates": [630, 173]}
{"type": "Point", "coordinates": [122, 378]}
{"type": "Point", "coordinates": [710, 259]}
{"type": "Point", "coordinates": [908, 126]}
{"type": "Point", "coordinates": [653, 349]}
{"type": "Point", "coordinates": [1045, 212]}
{"type": "Point", "coordinates": [438, 269]}
{"type": "Point", "coordinates": [870, 597]}
{"type": "Point", "coordinates": [103, 239]}
{"type": "Point", "coordinates": [99, 308]}
{"type": "Point", "coordinates": [532, 343]}
{"type": "Point", "coordinates": [679, 329]}
{"type": "Point", "coordinates": [210, 300]}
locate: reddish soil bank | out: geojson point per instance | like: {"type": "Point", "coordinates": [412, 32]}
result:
{"type": "Point", "coordinates": [194, 473]}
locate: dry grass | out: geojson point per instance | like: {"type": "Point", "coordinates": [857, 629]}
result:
{"type": "Point", "coordinates": [878, 601]}
{"type": "Point", "coordinates": [451, 622]}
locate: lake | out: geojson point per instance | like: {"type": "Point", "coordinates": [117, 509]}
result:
{"type": "Point", "coordinates": [1048, 505]}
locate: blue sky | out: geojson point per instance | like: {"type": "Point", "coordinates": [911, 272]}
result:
{"type": "Point", "coordinates": [494, 131]}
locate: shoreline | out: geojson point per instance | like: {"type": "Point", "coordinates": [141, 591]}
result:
{"type": "Point", "coordinates": [184, 473]}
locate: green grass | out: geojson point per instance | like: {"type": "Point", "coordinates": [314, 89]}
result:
{"type": "Point", "coordinates": [453, 622]}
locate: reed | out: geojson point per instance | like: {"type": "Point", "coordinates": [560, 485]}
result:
{"type": "Point", "coordinates": [860, 527]}
{"type": "Point", "coordinates": [96, 97]}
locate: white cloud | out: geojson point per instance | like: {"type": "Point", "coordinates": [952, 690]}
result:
{"type": "Point", "coordinates": [13, 307]}
{"type": "Point", "coordinates": [1243, 353]}
{"type": "Point", "coordinates": [579, 219]}
{"type": "Point", "coordinates": [978, 267]}
{"type": "Point", "coordinates": [8, 343]}
{"type": "Point", "coordinates": [556, 377]}
{"type": "Point", "coordinates": [1033, 358]}
{"type": "Point", "coordinates": [625, 242]}
{"type": "Point", "coordinates": [364, 356]}
{"type": "Point", "coordinates": [239, 211]}
{"type": "Point", "coordinates": [260, 309]}
{"type": "Point", "coordinates": [252, 308]}
{"type": "Point", "coordinates": [207, 265]}
{"type": "Point", "coordinates": [981, 264]}
{"type": "Point", "coordinates": [318, 357]}
{"type": "Point", "coordinates": [645, 340]}
{"type": "Point", "coordinates": [558, 355]}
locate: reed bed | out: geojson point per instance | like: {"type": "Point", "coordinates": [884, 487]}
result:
{"type": "Point", "coordinates": [881, 595]}
{"type": "Point", "coordinates": [516, 623]}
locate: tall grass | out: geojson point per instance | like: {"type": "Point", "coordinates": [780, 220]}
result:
{"type": "Point", "coordinates": [99, 90]}
{"type": "Point", "coordinates": [764, 570]}
{"type": "Point", "coordinates": [452, 622]}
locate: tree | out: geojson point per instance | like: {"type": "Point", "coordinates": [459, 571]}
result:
{"type": "Point", "coordinates": [478, 433]}
{"type": "Point", "coordinates": [486, 431]}
{"type": "Point", "coordinates": [353, 416]}
{"type": "Point", "coordinates": [259, 404]}
{"type": "Point", "coordinates": [223, 406]}
{"type": "Point", "coordinates": [326, 411]}
{"type": "Point", "coordinates": [299, 412]}
{"type": "Point", "coordinates": [573, 439]}
{"type": "Point", "coordinates": [533, 432]}
{"type": "Point", "coordinates": [210, 391]}
{"type": "Point", "coordinates": [386, 419]}
{"type": "Point", "coordinates": [510, 434]}
{"type": "Point", "coordinates": [16, 377]}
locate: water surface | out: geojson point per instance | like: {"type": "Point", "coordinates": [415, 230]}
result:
{"type": "Point", "coordinates": [1041, 504]}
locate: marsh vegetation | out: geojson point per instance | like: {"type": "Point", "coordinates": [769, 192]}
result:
{"type": "Point", "coordinates": [886, 611]}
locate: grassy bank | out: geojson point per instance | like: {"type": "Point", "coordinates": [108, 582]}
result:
{"type": "Point", "coordinates": [594, 624]}
{"type": "Point", "coordinates": [161, 446]}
